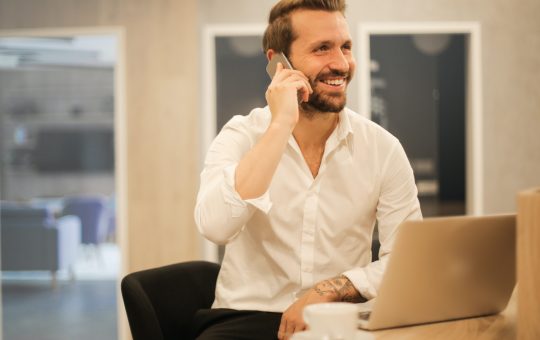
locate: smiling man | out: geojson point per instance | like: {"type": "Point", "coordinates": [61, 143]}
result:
{"type": "Point", "coordinates": [294, 189]}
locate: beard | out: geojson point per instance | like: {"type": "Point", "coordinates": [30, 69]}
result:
{"type": "Point", "coordinates": [320, 102]}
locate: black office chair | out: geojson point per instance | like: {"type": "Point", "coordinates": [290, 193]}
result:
{"type": "Point", "coordinates": [161, 302]}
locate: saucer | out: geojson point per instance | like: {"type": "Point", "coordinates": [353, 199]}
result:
{"type": "Point", "coordinates": [309, 335]}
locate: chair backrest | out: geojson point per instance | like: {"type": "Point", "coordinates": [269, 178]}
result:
{"type": "Point", "coordinates": [92, 213]}
{"type": "Point", "coordinates": [23, 215]}
{"type": "Point", "coordinates": [161, 302]}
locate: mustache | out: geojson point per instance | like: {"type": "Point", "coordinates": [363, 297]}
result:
{"type": "Point", "coordinates": [333, 73]}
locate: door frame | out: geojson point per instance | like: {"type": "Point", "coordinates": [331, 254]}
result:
{"type": "Point", "coordinates": [473, 98]}
{"type": "Point", "coordinates": [120, 140]}
{"type": "Point", "coordinates": [209, 101]}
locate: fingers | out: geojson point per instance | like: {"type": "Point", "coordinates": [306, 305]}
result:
{"type": "Point", "coordinates": [287, 89]}
{"type": "Point", "coordinates": [286, 330]}
{"type": "Point", "coordinates": [297, 328]}
{"type": "Point", "coordinates": [303, 95]}
{"type": "Point", "coordinates": [282, 328]}
{"type": "Point", "coordinates": [283, 75]}
{"type": "Point", "coordinates": [300, 85]}
{"type": "Point", "coordinates": [298, 81]}
{"type": "Point", "coordinates": [303, 91]}
{"type": "Point", "coordinates": [288, 327]}
{"type": "Point", "coordinates": [279, 67]}
{"type": "Point", "coordinates": [292, 75]}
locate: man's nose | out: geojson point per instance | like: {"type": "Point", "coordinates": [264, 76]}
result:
{"type": "Point", "coordinates": [339, 61]}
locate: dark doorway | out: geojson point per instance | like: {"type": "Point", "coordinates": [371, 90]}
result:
{"type": "Point", "coordinates": [418, 94]}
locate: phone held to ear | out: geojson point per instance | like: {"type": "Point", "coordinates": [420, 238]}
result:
{"type": "Point", "coordinates": [272, 64]}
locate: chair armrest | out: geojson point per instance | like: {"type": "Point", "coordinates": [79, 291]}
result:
{"type": "Point", "coordinates": [69, 239]}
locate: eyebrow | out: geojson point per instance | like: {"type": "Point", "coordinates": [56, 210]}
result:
{"type": "Point", "coordinates": [328, 42]}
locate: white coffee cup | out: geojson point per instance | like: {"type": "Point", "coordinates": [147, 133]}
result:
{"type": "Point", "coordinates": [335, 320]}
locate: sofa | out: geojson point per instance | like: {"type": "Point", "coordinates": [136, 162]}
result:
{"type": "Point", "coordinates": [32, 239]}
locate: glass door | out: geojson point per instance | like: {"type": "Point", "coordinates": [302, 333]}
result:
{"type": "Point", "coordinates": [60, 259]}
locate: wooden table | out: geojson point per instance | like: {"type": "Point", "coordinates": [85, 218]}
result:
{"type": "Point", "coordinates": [500, 327]}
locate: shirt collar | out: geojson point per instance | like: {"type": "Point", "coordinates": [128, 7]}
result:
{"type": "Point", "coordinates": [345, 132]}
{"type": "Point", "coordinates": [344, 128]}
{"type": "Point", "coordinates": [341, 133]}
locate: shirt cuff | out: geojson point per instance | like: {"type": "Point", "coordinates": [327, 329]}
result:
{"type": "Point", "coordinates": [359, 279]}
{"type": "Point", "coordinates": [231, 196]}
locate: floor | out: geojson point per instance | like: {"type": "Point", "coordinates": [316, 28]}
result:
{"type": "Point", "coordinates": [78, 310]}
{"type": "Point", "coordinates": [81, 309]}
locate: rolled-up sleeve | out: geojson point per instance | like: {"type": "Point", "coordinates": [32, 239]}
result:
{"type": "Point", "coordinates": [220, 212]}
{"type": "Point", "coordinates": [398, 202]}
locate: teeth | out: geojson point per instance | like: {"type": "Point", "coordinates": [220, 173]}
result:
{"type": "Point", "coordinates": [335, 82]}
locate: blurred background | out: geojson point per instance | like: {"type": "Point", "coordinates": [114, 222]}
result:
{"type": "Point", "coordinates": [107, 109]}
{"type": "Point", "coordinates": [58, 208]}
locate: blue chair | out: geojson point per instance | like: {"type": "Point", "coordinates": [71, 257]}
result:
{"type": "Point", "coordinates": [92, 211]}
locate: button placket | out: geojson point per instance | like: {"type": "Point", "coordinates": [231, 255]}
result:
{"type": "Point", "coordinates": [308, 238]}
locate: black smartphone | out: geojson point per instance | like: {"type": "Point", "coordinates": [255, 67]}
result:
{"type": "Point", "coordinates": [272, 64]}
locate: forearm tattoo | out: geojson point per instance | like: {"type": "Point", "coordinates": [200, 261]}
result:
{"type": "Point", "coordinates": [340, 288]}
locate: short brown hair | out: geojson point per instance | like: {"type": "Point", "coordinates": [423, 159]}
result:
{"type": "Point", "coordinates": [279, 34]}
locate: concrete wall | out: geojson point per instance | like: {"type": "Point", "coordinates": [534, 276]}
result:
{"type": "Point", "coordinates": [511, 75]}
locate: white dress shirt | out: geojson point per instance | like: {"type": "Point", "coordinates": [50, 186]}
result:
{"type": "Point", "coordinates": [303, 229]}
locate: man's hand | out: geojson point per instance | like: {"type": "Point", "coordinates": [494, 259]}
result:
{"type": "Point", "coordinates": [332, 290]}
{"type": "Point", "coordinates": [255, 170]}
{"type": "Point", "coordinates": [292, 320]}
{"type": "Point", "coordinates": [287, 87]}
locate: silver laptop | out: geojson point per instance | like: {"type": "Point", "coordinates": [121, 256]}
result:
{"type": "Point", "coordinates": [444, 269]}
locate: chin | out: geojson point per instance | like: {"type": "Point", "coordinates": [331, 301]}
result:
{"type": "Point", "coordinates": [325, 103]}
{"type": "Point", "coordinates": [312, 108]}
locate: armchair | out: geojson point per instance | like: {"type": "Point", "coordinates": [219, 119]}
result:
{"type": "Point", "coordinates": [32, 239]}
{"type": "Point", "coordinates": [161, 302]}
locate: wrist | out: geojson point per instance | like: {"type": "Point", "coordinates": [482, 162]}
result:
{"type": "Point", "coordinates": [327, 291]}
{"type": "Point", "coordinates": [339, 289]}
{"type": "Point", "coordinates": [281, 127]}
{"type": "Point", "coordinates": [284, 119]}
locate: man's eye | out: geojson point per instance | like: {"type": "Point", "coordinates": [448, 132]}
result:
{"type": "Point", "coordinates": [322, 48]}
{"type": "Point", "coordinates": [347, 47]}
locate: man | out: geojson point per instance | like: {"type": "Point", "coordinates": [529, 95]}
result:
{"type": "Point", "coordinates": [294, 189]}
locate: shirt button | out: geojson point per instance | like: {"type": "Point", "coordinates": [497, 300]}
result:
{"type": "Point", "coordinates": [307, 270]}
{"type": "Point", "coordinates": [308, 232]}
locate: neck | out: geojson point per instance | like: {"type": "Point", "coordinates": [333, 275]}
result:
{"type": "Point", "coordinates": [313, 130]}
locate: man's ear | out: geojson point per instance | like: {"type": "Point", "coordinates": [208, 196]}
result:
{"type": "Point", "coordinates": [269, 54]}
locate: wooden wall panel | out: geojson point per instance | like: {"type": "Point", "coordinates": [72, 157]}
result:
{"type": "Point", "coordinates": [528, 258]}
